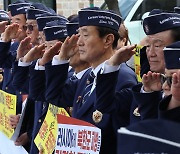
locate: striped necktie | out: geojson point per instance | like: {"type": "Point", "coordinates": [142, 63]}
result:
{"type": "Point", "coordinates": [73, 77]}
{"type": "Point", "coordinates": [88, 87]}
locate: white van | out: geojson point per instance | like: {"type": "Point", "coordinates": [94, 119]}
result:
{"type": "Point", "coordinates": [134, 11]}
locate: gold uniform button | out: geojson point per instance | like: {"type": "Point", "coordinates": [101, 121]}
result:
{"type": "Point", "coordinates": [39, 120]}
{"type": "Point", "coordinates": [97, 116]}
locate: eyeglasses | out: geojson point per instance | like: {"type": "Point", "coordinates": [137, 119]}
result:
{"type": "Point", "coordinates": [166, 78]}
{"type": "Point", "coordinates": [29, 27]}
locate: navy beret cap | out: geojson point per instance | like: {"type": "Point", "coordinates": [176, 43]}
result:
{"type": "Point", "coordinates": [149, 137]}
{"type": "Point", "coordinates": [43, 7]}
{"type": "Point", "coordinates": [55, 30]}
{"type": "Point", "coordinates": [97, 17]}
{"type": "Point", "coordinates": [4, 16]}
{"type": "Point", "coordinates": [172, 56]}
{"type": "Point", "coordinates": [42, 21]}
{"type": "Point", "coordinates": [19, 8]}
{"type": "Point", "coordinates": [177, 9]}
{"type": "Point", "coordinates": [32, 14]}
{"type": "Point", "coordinates": [159, 22]}
{"type": "Point", "coordinates": [73, 26]}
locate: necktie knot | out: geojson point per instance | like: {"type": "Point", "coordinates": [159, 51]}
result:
{"type": "Point", "coordinates": [73, 77]}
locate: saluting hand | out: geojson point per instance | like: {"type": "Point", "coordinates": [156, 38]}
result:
{"type": "Point", "coordinates": [67, 49]}
{"type": "Point", "coordinates": [122, 55]}
{"type": "Point", "coordinates": [24, 47]}
{"type": "Point", "coordinates": [151, 82]}
{"type": "Point", "coordinates": [50, 53]}
{"type": "Point", "coordinates": [3, 26]}
{"type": "Point", "coordinates": [35, 53]}
{"type": "Point", "coordinates": [11, 32]}
{"type": "Point", "coordinates": [175, 87]}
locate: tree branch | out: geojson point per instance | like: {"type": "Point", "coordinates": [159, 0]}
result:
{"type": "Point", "coordinates": [113, 5]}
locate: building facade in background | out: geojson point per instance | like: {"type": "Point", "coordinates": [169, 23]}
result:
{"type": "Point", "coordinates": [69, 7]}
{"type": "Point", "coordinates": [62, 7]}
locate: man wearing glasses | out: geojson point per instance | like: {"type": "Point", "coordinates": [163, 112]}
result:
{"type": "Point", "coordinates": [31, 26]}
{"type": "Point", "coordinates": [154, 139]}
{"type": "Point", "coordinates": [11, 37]}
{"type": "Point", "coordinates": [162, 29]}
{"type": "Point", "coordinates": [31, 29]}
{"type": "Point", "coordinates": [13, 34]}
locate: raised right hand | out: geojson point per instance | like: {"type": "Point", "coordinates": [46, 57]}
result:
{"type": "Point", "coordinates": [11, 32]}
{"type": "Point", "coordinates": [122, 55]}
{"type": "Point", "coordinates": [151, 82]}
{"type": "Point", "coordinates": [50, 53]}
{"type": "Point", "coordinates": [67, 49]}
{"type": "Point", "coordinates": [24, 47]}
{"type": "Point", "coordinates": [34, 54]}
{"type": "Point", "coordinates": [3, 26]}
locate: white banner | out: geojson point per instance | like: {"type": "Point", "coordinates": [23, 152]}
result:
{"type": "Point", "coordinates": [7, 146]}
{"type": "Point", "coordinates": [77, 137]}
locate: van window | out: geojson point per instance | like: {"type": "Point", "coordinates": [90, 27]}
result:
{"type": "Point", "coordinates": [148, 5]}
{"type": "Point", "coordinates": [125, 7]}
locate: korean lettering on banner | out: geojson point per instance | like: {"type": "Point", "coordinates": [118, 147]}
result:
{"type": "Point", "coordinates": [7, 108]}
{"type": "Point", "coordinates": [46, 138]}
{"type": "Point", "coordinates": [77, 137]}
{"type": "Point", "coordinates": [137, 62]}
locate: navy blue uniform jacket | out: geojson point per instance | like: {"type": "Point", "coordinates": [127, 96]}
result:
{"type": "Point", "coordinates": [58, 92]}
{"type": "Point", "coordinates": [166, 126]}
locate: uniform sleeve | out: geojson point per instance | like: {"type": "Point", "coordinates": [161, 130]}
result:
{"type": "Point", "coordinates": [58, 91]}
{"type": "Point", "coordinates": [20, 78]}
{"type": "Point", "coordinates": [147, 102]}
{"type": "Point", "coordinates": [6, 57]}
{"type": "Point", "coordinates": [108, 100]}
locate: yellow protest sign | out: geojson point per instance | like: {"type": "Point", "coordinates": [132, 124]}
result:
{"type": "Point", "coordinates": [7, 108]}
{"type": "Point", "coordinates": [137, 62]}
{"type": "Point", "coordinates": [46, 138]}
{"type": "Point", "coordinates": [62, 111]}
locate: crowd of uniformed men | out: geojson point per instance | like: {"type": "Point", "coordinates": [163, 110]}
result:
{"type": "Point", "coordinates": [79, 64]}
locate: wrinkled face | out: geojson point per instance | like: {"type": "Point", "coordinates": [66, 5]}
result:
{"type": "Point", "coordinates": [154, 50]}
{"type": "Point", "coordinates": [91, 46]}
{"type": "Point", "coordinates": [42, 38]}
{"type": "Point", "coordinates": [21, 20]}
{"type": "Point", "coordinates": [166, 88]}
{"type": "Point", "coordinates": [32, 31]}
{"type": "Point", "coordinates": [75, 60]}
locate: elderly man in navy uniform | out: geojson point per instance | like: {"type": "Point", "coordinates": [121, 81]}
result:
{"type": "Point", "coordinates": [97, 40]}
{"type": "Point", "coordinates": [22, 74]}
{"type": "Point", "coordinates": [54, 31]}
{"type": "Point", "coordinates": [164, 34]}
{"type": "Point", "coordinates": [8, 47]}
{"type": "Point", "coordinates": [150, 131]}
{"type": "Point", "coordinates": [4, 19]}
{"type": "Point", "coordinates": [53, 34]}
